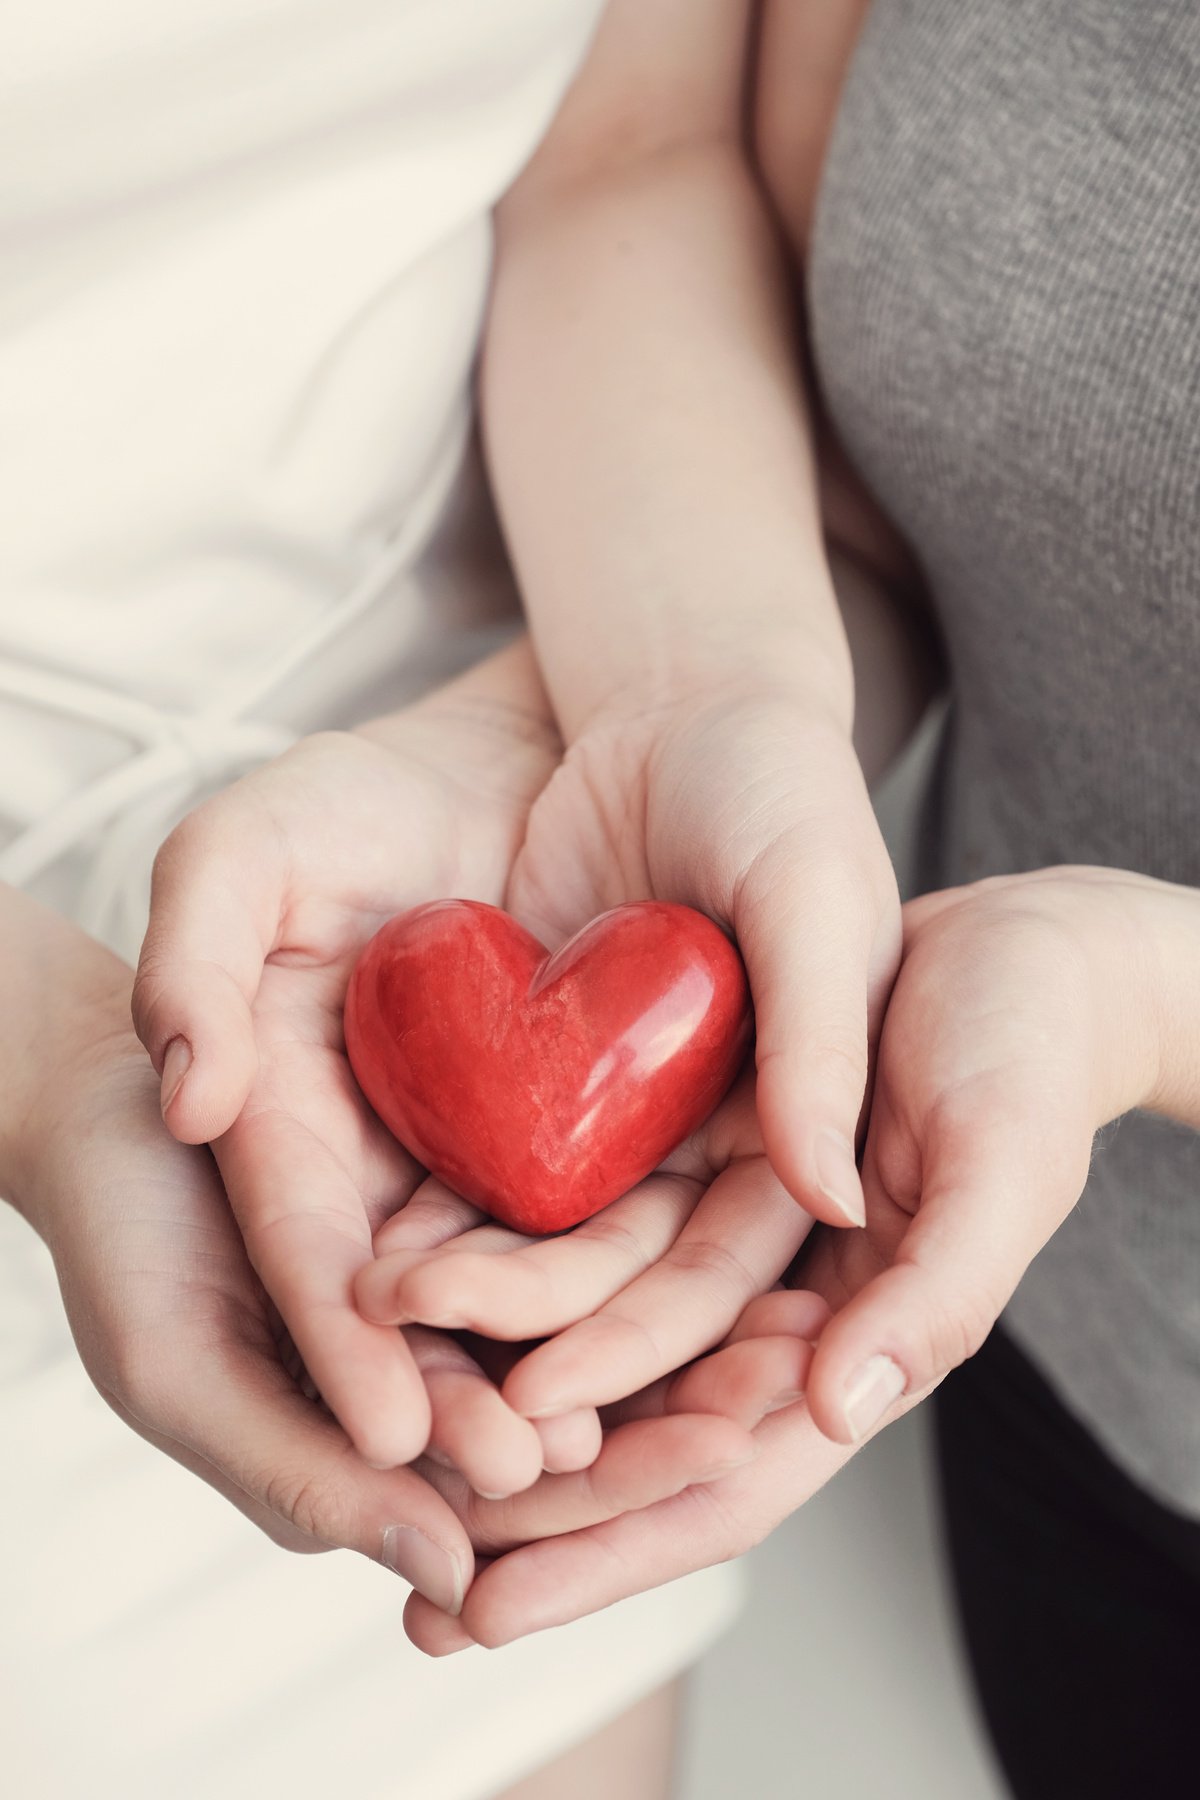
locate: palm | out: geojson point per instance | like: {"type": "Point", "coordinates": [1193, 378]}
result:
{"type": "Point", "coordinates": [662, 1274]}
{"type": "Point", "coordinates": [584, 848]}
{"type": "Point", "coordinates": [310, 1171]}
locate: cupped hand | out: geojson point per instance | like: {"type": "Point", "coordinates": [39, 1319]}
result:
{"type": "Point", "coordinates": [175, 1329]}
{"type": "Point", "coordinates": [747, 802]}
{"type": "Point", "coordinates": [1030, 1011]}
{"type": "Point", "coordinates": [180, 1337]}
{"type": "Point", "coordinates": [262, 899]}
{"type": "Point", "coordinates": [753, 809]}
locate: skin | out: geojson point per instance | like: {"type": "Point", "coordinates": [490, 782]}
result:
{"type": "Point", "coordinates": [167, 1285]}
{"type": "Point", "coordinates": [703, 765]}
{"type": "Point", "coordinates": [635, 250]}
{"type": "Point", "coordinates": [1029, 1012]}
{"type": "Point", "coordinates": [708, 759]}
{"type": "Point", "coordinates": [723, 780]}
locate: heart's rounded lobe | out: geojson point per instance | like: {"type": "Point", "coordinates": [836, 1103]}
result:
{"type": "Point", "coordinates": [542, 1087]}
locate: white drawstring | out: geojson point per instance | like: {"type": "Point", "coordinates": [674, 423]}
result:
{"type": "Point", "coordinates": [176, 753]}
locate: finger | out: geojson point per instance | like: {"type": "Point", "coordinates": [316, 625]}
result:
{"type": "Point", "coordinates": [740, 1238]}
{"type": "Point", "coordinates": [761, 1367]}
{"type": "Point", "coordinates": [820, 936]}
{"type": "Point", "coordinates": [745, 1381]}
{"type": "Point", "coordinates": [249, 1431]}
{"type": "Point", "coordinates": [535, 1287]}
{"type": "Point", "coordinates": [785, 1312]}
{"type": "Point", "coordinates": [1001, 1168]}
{"type": "Point", "coordinates": [307, 1235]}
{"type": "Point", "coordinates": [498, 1452]}
{"type": "Point", "coordinates": [433, 1215]}
{"type": "Point", "coordinates": [570, 1442]}
{"type": "Point", "coordinates": [554, 1581]}
{"type": "Point", "coordinates": [215, 905]}
{"type": "Point", "coordinates": [432, 1631]}
{"type": "Point", "coordinates": [640, 1463]}
{"type": "Point", "coordinates": [573, 1440]}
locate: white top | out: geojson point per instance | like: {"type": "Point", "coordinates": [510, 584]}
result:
{"type": "Point", "coordinates": [244, 251]}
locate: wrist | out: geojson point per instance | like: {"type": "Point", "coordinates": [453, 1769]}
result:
{"type": "Point", "coordinates": [772, 664]}
{"type": "Point", "coordinates": [61, 996]}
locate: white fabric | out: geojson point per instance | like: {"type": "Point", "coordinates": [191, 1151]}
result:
{"type": "Point", "coordinates": [244, 250]}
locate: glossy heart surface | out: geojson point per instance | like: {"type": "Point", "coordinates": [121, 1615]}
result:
{"type": "Point", "coordinates": [542, 1087]}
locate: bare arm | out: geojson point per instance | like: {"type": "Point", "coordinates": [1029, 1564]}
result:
{"type": "Point", "coordinates": [645, 422]}
{"type": "Point", "coordinates": [645, 406]}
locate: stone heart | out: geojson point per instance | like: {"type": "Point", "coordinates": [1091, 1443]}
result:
{"type": "Point", "coordinates": [542, 1087]}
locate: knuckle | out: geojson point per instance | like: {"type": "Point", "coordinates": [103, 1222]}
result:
{"type": "Point", "coordinates": [287, 1537]}
{"type": "Point", "coordinates": [715, 1265]}
{"type": "Point", "coordinates": [837, 1060]}
{"type": "Point", "coordinates": [952, 1335]}
{"type": "Point", "coordinates": [724, 1533]}
{"type": "Point", "coordinates": [489, 1524]}
{"type": "Point", "coordinates": [306, 1501]}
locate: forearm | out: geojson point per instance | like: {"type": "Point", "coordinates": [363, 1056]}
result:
{"type": "Point", "coordinates": [648, 438]}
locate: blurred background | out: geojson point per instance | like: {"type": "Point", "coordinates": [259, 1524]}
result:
{"type": "Point", "coordinates": [843, 1677]}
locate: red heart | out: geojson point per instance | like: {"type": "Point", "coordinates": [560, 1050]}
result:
{"type": "Point", "coordinates": [542, 1087]}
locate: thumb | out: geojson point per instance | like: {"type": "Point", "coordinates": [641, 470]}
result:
{"type": "Point", "coordinates": [214, 910]}
{"type": "Point", "coordinates": [821, 948]}
{"type": "Point", "coordinates": [999, 1175]}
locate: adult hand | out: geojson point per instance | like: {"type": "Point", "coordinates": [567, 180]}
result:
{"type": "Point", "coordinates": [172, 1324]}
{"type": "Point", "coordinates": [180, 1338]}
{"type": "Point", "coordinates": [550, 1567]}
{"type": "Point", "coordinates": [1028, 1012]}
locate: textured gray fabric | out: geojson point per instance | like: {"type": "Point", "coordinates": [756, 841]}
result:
{"type": "Point", "coordinates": [1005, 298]}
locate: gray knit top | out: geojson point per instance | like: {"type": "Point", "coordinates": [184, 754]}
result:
{"type": "Point", "coordinates": [1005, 303]}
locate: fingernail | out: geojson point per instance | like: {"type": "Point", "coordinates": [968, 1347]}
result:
{"type": "Point", "coordinates": [837, 1174]}
{"type": "Point", "coordinates": [782, 1400]}
{"type": "Point", "coordinates": [868, 1394]}
{"type": "Point", "coordinates": [424, 1565]}
{"type": "Point", "coordinates": [555, 1410]}
{"type": "Point", "coordinates": [176, 1064]}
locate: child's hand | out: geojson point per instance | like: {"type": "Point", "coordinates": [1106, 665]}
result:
{"type": "Point", "coordinates": [262, 900]}
{"type": "Point", "coordinates": [746, 801]}
{"type": "Point", "coordinates": [746, 808]}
